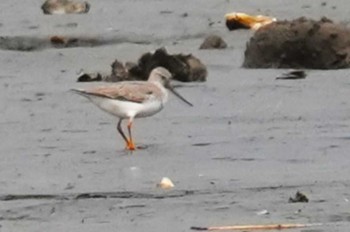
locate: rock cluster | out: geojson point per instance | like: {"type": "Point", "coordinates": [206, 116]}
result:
{"type": "Point", "coordinates": [183, 67]}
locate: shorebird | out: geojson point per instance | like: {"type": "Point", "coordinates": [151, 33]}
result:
{"type": "Point", "coordinates": [133, 99]}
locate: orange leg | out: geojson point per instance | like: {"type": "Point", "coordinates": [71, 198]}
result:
{"type": "Point", "coordinates": [130, 144]}
{"type": "Point", "coordinates": [119, 128]}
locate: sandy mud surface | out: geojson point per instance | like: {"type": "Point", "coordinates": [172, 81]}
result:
{"type": "Point", "coordinates": [249, 143]}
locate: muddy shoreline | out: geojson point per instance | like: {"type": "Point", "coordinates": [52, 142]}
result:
{"type": "Point", "coordinates": [249, 143]}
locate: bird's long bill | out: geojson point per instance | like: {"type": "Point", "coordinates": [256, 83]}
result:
{"type": "Point", "coordinates": [179, 96]}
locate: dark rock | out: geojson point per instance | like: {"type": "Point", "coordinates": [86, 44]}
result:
{"type": "Point", "coordinates": [299, 197]}
{"type": "Point", "coordinates": [213, 42]}
{"type": "Point", "coordinates": [301, 43]}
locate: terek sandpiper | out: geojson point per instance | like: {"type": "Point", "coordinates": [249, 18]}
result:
{"type": "Point", "coordinates": [133, 99]}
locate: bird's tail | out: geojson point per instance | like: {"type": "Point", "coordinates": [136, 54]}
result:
{"type": "Point", "coordinates": [80, 92]}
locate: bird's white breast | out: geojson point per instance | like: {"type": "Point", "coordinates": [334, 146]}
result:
{"type": "Point", "coordinates": [127, 109]}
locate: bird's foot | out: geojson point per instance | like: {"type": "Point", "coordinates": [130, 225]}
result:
{"type": "Point", "coordinates": [130, 145]}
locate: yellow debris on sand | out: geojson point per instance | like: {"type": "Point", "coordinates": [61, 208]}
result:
{"type": "Point", "coordinates": [238, 20]}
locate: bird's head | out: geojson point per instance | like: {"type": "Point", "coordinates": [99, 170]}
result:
{"type": "Point", "coordinates": [163, 76]}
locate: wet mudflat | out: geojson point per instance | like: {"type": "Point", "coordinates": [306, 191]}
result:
{"type": "Point", "coordinates": [249, 143]}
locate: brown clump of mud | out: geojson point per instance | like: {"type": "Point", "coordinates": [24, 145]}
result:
{"type": "Point", "coordinates": [183, 67]}
{"type": "Point", "coordinates": [300, 43]}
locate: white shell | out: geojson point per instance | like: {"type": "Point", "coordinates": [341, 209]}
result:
{"type": "Point", "coordinates": [165, 183]}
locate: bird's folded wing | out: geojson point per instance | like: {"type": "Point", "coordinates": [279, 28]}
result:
{"type": "Point", "coordinates": [129, 91]}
